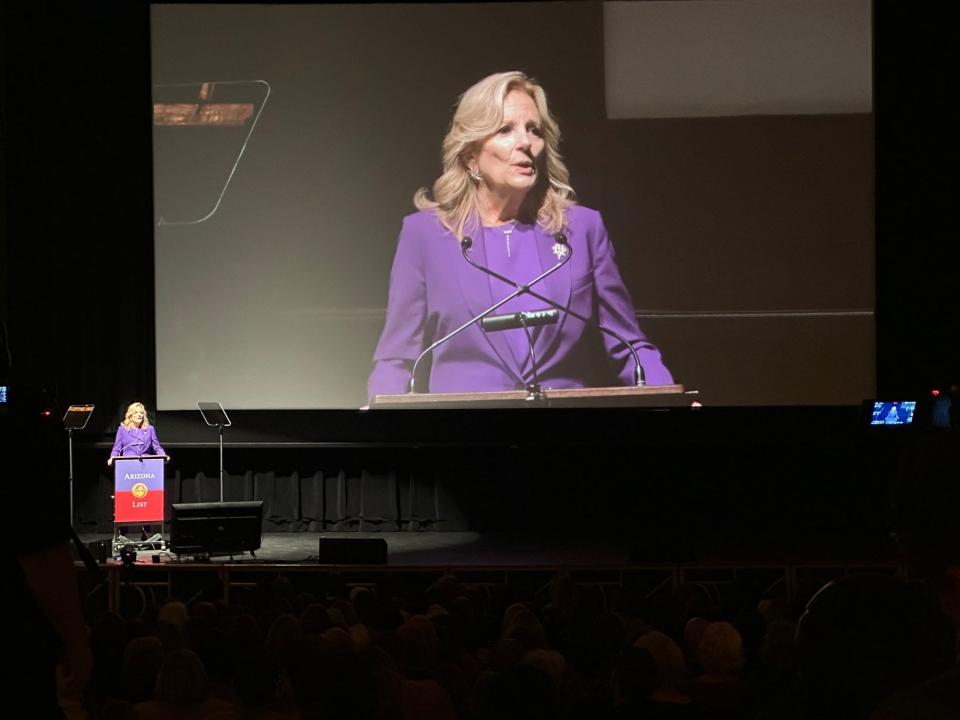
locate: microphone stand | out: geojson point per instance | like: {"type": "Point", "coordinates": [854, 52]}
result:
{"type": "Point", "coordinates": [70, 471]}
{"type": "Point", "coordinates": [468, 323]}
{"type": "Point", "coordinates": [220, 433]}
{"type": "Point", "coordinates": [639, 377]}
{"type": "Point", "coordinates": [520, 289]}
{"type": "Point", "coordinates": [534, 391]}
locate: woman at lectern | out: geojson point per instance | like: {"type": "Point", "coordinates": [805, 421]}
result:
{"type": "Point", "coordinates": [504, 201]}
{"type": "Point", "coordinates": [136, 436]}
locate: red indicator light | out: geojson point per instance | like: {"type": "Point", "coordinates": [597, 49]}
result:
{"type": "Point", "coordinates": [935, 393]}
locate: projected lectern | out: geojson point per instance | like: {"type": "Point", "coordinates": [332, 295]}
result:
{"type": "Point", "coordinates": [618, 396]}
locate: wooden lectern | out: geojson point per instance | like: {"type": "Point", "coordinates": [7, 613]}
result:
{"type": "Point", "coordinates": [619, 396]}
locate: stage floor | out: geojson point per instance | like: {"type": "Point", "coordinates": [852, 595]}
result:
{"type": "Point", "coordinates": [425, 549]}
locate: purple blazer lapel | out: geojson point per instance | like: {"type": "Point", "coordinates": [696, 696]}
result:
{"type": "Point", "coordinates": [475, 286]}
{"type": "Point", "coordinates": [557, 287]}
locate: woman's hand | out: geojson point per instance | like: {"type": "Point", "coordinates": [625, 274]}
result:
{"type": "Point", "coordinates": [110, 461]}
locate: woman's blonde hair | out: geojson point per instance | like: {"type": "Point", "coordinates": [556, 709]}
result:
{"type": "Point", "coordinates": [721, 649]}
{"type": "Point", "coordinates": [668, 656]}
{"type": "Point", "coordinates": [479, 114]}
{"type": "Point", "coordinates": [128, 423]}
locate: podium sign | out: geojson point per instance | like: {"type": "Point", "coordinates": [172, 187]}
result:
{"type": "Point", "coordinates": [138, 489]}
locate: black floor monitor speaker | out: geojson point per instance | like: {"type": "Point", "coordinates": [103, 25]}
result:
{"type": "Point", "coordinates": [353, 551]}
{"type": "Point", "coordinates": [216, 528]}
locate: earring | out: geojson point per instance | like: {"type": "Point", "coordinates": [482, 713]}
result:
{"type": "Point", "coordinates": [475, 175]}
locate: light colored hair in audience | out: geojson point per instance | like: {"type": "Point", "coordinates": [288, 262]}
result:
{"type": "Point", "coordinates": [360, 636]}
{"type": "Point", "coordinates": [419, 644]}
{"type": "Point", "coordinates": [182, 679]}
{"type": "Point", "coordinates": [550, 661]}
{"type": "Point", "coordinates": [336, 617]}
{"type": "Point", "coordinates": [671, 666]}
{"type": "Point", "coordinates": [510, 615]}
{"type": "Point", "coordinates": [347, 610]}
{"type": "Point", "coordinates": [284, 632]}
{"type": "Point", "coordinates": [693, 633]}
{"type": "Point", "coordinates": [175, 613]}
{"type": "Point", "coordinates": [336, 641]}
{"type": "Point", "coordinates": [771, 609]}
{"type": "Point", "coordinates": [436, 610]}
{"type": "Point", "coordinates": [523, 624]}
{"type": "Point", "coordinates": [779, 648]}
{"type": "Point", "coordinates": [479, 115]}
{"type": "Point", "coordinates": [721, 649]}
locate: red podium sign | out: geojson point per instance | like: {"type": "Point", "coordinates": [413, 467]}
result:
{"type": "Point", "coordinates": [138, 489]}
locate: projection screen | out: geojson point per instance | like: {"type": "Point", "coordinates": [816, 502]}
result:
{"type": "Point", "coordinates": [727, 146]}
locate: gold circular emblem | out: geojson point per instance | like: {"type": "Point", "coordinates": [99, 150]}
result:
{"type": "Point", "coordinates": [139, 490]}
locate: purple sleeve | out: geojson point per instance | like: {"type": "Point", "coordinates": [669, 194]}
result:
{"type": "Point", "coordinates": [402, 339]}
{"type": "Point", "coordinates": [118, 443]}
{"type": "Point", "coordinates": [154, 443]}
{"type": "Point", "coordinates": [617, 313]}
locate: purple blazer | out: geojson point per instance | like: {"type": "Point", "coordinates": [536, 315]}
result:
{"type": "Point", "coordinates": [433, 290]}
{"type": "Point", "coordinates": [136, 441]}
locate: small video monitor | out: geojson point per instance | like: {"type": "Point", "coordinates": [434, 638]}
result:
{"type": "Point", "coordinates": [893, 413]}
{"type": "Point", "coordinates": [3, 394]}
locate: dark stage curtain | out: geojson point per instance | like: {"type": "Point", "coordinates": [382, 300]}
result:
{"type": "Point", "coordinates": [321, 501]}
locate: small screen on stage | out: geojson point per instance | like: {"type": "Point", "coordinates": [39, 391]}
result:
{"type": "Point", "coordinates": [893, 413]}
{"type": "Point", "coordinates": [355, 204]}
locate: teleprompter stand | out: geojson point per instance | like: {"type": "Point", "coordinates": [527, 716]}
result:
{"type": "Point", "coordinates": [215, 416]}
{"type": "Point", "coordinates": [76, 418]}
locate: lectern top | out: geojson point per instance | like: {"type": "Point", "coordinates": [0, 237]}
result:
{"type": "Point", "coordinates": [618, 396]}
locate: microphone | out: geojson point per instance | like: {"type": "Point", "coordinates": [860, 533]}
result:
{"type": "Point", "coordinates": [129, 444]}
{"type": "Point", "coordinates": [565, 254]}
{"type": "Point", "coordinates": [526, 318]}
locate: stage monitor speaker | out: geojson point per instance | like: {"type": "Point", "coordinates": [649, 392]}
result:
{"type": "Point", "coordinates": [216, 528]}
{"type": "Point", "coordinates": [353, 551]}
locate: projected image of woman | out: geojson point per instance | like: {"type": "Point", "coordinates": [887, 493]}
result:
{"type": "Point", "coordinates": [136, 436]}
{"type": "Point", "coordinates": [505, 194]}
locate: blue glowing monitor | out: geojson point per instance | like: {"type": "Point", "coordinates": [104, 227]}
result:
{"type": "Point", "coordinates": [893, 413]}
